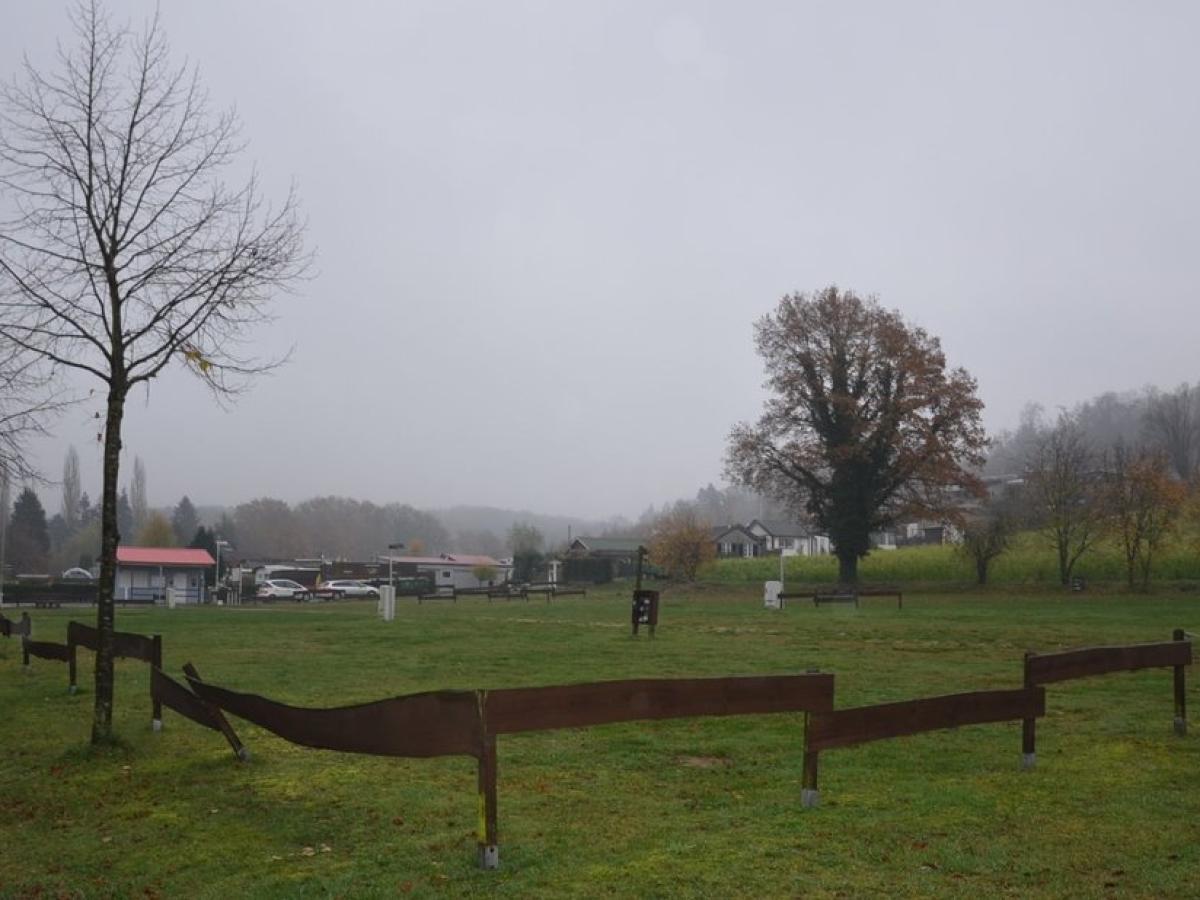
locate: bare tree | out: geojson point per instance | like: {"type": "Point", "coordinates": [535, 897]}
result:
{"type": "Point", "coordinates": [1172, 421]}
{"type": "Point", "coordinates": [128, 251]}
{"type": "Point", "coordinates": [986, 534]}
{"type": "Point", "coordinates": [27, 401]}
{"type": "Point", "coordinates": [865, 423]}
{"type": "Point", "coordinates": [1062, 474]}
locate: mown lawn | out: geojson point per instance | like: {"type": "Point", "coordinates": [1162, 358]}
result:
{"type": "Point", "coordinates": [704, 808]}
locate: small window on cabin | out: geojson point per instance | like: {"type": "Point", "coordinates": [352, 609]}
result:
{"type": "Point", "coordinates": [445, 574]}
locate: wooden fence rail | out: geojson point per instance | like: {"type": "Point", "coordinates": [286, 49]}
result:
{"type": "Point", "coordinates": [1085, 662]}
{"type": "Point", "coordinates": [846, 727]}
{"type": "Point", "coordinates": [168, 692]}
{"type": "Point", "coordinates": [126, 645]}
{"type": "Point", "coordinates": [21, 627]}
{"type": "Point", "coordinates": [44, 650]}
{"type": "Point", "coordinates": [466, 723]}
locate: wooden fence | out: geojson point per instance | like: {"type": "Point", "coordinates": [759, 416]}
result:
{"type": "Point", "coordinates": [44, 650]}
{"type": "Point", "coordinates": [126, 645]}
{"type": "Point", "coordinates": [21, 627]}
{"type": "Point", "coordinates": [168, 692]}
{"type": "Point", "coordinates": [846, 727]}
{"type": "Point", "coordinates": [1084, 662]}
{"type": "Point", "coordinates": [466, 723]}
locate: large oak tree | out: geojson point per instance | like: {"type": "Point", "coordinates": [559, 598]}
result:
{"type": "Point", "coordinates": [866, 422]}
{"type": "Point", "coordinates": [131, 247]}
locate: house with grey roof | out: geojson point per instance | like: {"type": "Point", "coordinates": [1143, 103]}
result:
{"type": "Point", "coordinates": [736, 541]}
{"type": "Point", "coordinates": [789, 537]}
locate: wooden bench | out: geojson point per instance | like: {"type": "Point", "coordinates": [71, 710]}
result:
{"type": "Point", "coordinates": [848, 595]}
{"type": "Point", "coordinates": [507, 592]}
{"type": "Point", "coordinates": [439, 594]}
{"type": "Point", "coordinates": [835, 597]}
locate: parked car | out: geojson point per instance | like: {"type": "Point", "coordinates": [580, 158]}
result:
{"type": "Point", "coordinates": [338, 589]}
{"type": "Point", "coordinates": [282, 588]}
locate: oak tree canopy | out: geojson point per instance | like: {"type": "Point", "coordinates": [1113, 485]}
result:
{"type": "Point", "coordinates": [865, 424]}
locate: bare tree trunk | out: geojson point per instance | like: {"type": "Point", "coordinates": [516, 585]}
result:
{"type": "Point", "coordinates": [110, 538]}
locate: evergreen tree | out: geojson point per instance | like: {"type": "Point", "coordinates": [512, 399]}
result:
{"type": "Point", "coordinates": [71, 491]}
{"type": "Point", "coordinates": [184, 521]}
{"type": "Point", "coordinates": [28, 536]}
{"type": "Point", "coordinates": [125, 525]}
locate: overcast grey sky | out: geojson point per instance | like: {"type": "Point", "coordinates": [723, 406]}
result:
{"type": "Point", "coordinates": [544, 230]}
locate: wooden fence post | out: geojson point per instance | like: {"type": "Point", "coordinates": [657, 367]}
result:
{"type": "Point", "coordinates": [810, 795]}
{"type": "Point", "coordinates": [1180, 693]}
{"type": "Point", "coordinates": [1028, 727]}
{"type": "Point", "coordinates": [156, 722]}
{"type": "Point", "coordinates": [489, 849]}
{"type": "Point", "coordinates": [72, 685]}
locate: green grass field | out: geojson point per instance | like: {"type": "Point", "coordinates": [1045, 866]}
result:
{"type": "Point", "coordinates": [1030, 562]}
{"type": "Point", "coordinates": [702, 807]}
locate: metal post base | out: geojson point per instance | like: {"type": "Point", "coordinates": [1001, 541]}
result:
{"type": "Point", "coordinates": [156, 724]}
{"type": "Point", "coordinates": [489, 856]}
{"type": "Point", "coordinates": [1180, 726]}
{"type": "Point", "coordinates": [809, 797]}
{"type": "Point", "coordinates": [1028, 761]}
{"type": "Point", "coordinates": [72, 689]}
{"type": "Point", "coordinates": [244, 755]}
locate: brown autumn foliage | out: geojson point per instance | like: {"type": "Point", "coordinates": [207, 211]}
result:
{"type": "Point", "coordinates": [866, 422]}
{"type": "Point", "coordinates": [1143, 502]}
{"type": "Point", "coordinates": [681, 542]}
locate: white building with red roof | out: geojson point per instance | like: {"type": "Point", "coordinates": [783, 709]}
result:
{"type": "Point", "coordinates": [144, 574]}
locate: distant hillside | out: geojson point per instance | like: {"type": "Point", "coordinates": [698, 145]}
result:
{"type": "Point", "coordinates": [460, 519]}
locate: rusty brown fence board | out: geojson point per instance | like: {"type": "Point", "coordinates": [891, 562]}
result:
{"type": "Point", "coordinates": [168, 692]}
{"type": "Point", "coordinates": [438, 723]}
{"type": "Point", "coordinates": [514, 710]}
{"type": "Point", "coordinates": [846, 727]}
{"type": "Point", "coordinates": [1085, 662]}
{"type": "Point", "coordinates": [175, 696]}
{"type": "Point", "coordinates": [21, 627]}
{"type": "Point", "coordinates": [45, 650]}
{"type": "Point", "coordinates": [442, 723]}
{"type": "Point", "coordinates": [1047, 668]}
{"type": "Point", "coordinates": [126, 645]}
{"type": "Point", "coordinates": [858, 725]}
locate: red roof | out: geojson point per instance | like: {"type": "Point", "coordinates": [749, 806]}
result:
{"type": "Point", "coordinates": [163, 556]}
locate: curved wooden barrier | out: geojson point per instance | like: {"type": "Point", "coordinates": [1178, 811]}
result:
{"type": "Point", "coordinates": [466, 723]}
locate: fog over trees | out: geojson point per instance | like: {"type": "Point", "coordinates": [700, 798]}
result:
{"type": "Point", "coordinates": [1165, 420]}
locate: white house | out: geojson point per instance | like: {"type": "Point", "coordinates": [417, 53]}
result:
{"type": "Point", "coordinates": [789, 538]}
{"type": "Point", "coordinates": [145, 573]}
{"type": "Point", "coordinates": [458, 570]}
